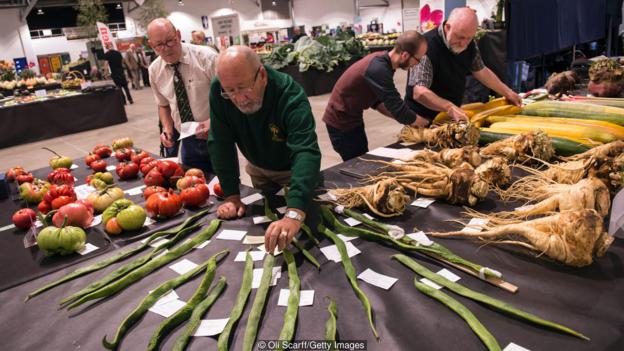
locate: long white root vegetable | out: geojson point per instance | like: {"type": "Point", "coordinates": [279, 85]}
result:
{"type": "Point", "coordinates": [451, 135]}
{"type": "Point", "coordinates": [572, 237]}
{"type": "Point", "coordinates": [451, 158]}
{"type": "Point", "coordinates": [590, 193]}
{"type": "Point", "coordinates": [611, 149]}
{"type": "Point", "coordinates": [495, 171]}
{"type": "Point", "coordinates": [385, 198]}
{"type": "Point", "coordinates": [522, 147]}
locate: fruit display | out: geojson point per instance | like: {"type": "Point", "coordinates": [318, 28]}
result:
{"type": "Point", "coordinates": [100, 180]}
{"type": "Point", "coordinates": [195, 195]}
{"type": "Point", "coordinates": [24, 218]}
{"type": "Point", "coordinates": [163, 173]}
{"type": "Point", "coordinates": [376, 39]}
{"type": "Point", "coordinates": [59, 161]}
{"type": "Point", "coordinates": [60, 176]}
{"type": "Point", "coordinates": [101, 199]}
{"type": "Point", "coordinates": [34, 191]}
{"type": "Point", "coordinates": [122, 143]}
{"type": "Point", "coordinates": [72, 80]}
{"type": "Point", "coordinates": [13, 172]}
{"type": "Point", "coordinates": [62, 240]}
{"type": "Point", "coordinates": [126, 171]}
{"type": "Point", "coordinates": [103, 151]}
{"type": "Point", "coordinates": [79, 214]}
{"type": "Point", "coordinates": [126, 215]}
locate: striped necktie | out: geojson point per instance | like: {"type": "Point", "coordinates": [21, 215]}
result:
{"type": "Point", "coordinates": [186, 115]}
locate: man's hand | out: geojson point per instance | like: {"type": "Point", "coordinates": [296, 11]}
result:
{"type": "Point", "coordinates": [457, 114]}
{"type": "Point", "coordinates": [280, 233]}
{"type": "Point", "coordinates": [420, 122]}
{"type": "Point", "coordinates": [231, 208]}
{"type": "Point", "coordinates": [166, 138]}
{"type": "Point", "coordinates": [514, 99]}
{"type": "Point", "coordinates": [202, 130]}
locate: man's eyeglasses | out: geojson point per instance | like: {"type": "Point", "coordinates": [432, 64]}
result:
{"type": "Point", "coordinates": [242, 91]}
{"type": "Point", "coordinates": [415, 58]}
{"type": "Point", "coordinates": [169, 43]}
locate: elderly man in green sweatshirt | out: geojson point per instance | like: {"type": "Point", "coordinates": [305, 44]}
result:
{"type": "Point", "coordinates": [267, 115]}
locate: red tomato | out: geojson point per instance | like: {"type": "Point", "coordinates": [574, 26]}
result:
{"type": "Point", "coordinates": [154, 177]}
{"type": "Point", "coordinates": [44, 207]}
{"type": "Point", "coordinates": [217, 190]}
{"type": "Point", "coordinates": [113, 227]}
{"type": "Point", "coordinates": [61, 201]}
{"type": "Point", "coordinates": [127, 170]}
{"type": "Point", "coordinates": [147, 164]}
{"type": "Point", "coordinates": [25, 178]}
{"type": "Point", "coordinates": [24, 218]}
{"type": "Point", "coordinates": [189, 181]}
{"type": "Point", "coordinates": [138, 155]}
{"type": "Point", "coordinates": [61, 176]}
{"type": "Point", "coordinates": [169, 169]}
{"type": "Point", "coordinates": [163, 204]}
{"type": "Point", "coordinates": [90, 158]}
{"type": "Point", "coordinates": [153, 190]}
{"type": "Point", "coordinates": [123, 154]}
{"type": "Point", "coordinates": [99, 166]}
{"type": "Point", "coordinates": [102, 150]}
{"type": "Point", "coordinates": [195, 196]}
{"type": "Point", "coordinates": [195, 172]}
{"type": "Point", "coordinates": [12, 173]}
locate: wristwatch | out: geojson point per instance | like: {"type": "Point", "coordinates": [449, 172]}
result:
{"type": "Point", "coordinates": [294, 215]}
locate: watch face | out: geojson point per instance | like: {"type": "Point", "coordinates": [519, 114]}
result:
{"type": "Point", "coordinates": [293, 215]}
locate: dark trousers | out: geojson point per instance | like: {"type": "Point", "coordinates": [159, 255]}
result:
{"type": "Point", "coordinates": [194, 152]}
{"type": "Point", "coordinates": [145, 74]}
{"type": "Point", "coordinates": [123, 85]}
{"type": "Point", "coordinates": [348, 143]}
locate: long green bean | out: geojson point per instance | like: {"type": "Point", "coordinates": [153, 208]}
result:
{"type": "Point", "coordinates": [171, 322]}
{"type": "Point", "coordinates": [330, 324]}
{"type": "Point", "coordinates": [306, 253]}
{"type": "Point", "coordinates": [434, 250]}
{"type": "Point", "coordinates": [118, 257]}
{"type": "Point", "coordinates": [471, 294]}
{"type": "Point", "coordinates": [258, 305]}
{"type": "Point", "coordinates": [150, 266]}
{"type": "Point", "coordinates": [350, 273]}
{"type": "Point", "coordinates": [195, 319]}
{"type": "Point", "coordinates": [128, 267]}
{"type": "Point", "coordinates": [239, 305]}
{"type": "Point", "coordinates": [488, 339]}
{"type": "Point", "coordinates": [152, 298]}
{"type": "Point", "coordinates": [294, 284]}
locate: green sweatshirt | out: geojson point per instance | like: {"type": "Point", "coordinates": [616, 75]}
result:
{"type": "Point", "coordinates": [280, 136]}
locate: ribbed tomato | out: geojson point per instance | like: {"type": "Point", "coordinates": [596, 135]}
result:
{"type": "Point", "coordinates": [163, 204]}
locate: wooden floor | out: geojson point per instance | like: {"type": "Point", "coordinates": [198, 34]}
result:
{"type": "Point", "coordinates": [142, 127]}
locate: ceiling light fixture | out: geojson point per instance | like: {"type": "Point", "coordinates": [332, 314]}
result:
{"type": "Point", "coordinates": [119, 7]}
{"type": "Point", "coordinates": [274, 3]}
{"type": "Point", "coordinates": [40, 12]}
{"type": "Point", "coordinates": [180, 3]}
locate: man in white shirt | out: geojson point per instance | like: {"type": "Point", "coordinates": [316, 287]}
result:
{"type": "Point", "coordinates": [180, 78]}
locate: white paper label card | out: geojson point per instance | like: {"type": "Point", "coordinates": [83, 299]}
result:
{"type": "Point", "coordinates": [170, 296]}
{"type": "Point", "coordinates": [135, 191]}
{"type": "Point", "coordinates": [183, 266]}
{"type": "Point", "coordinates": [212, 183]}
{"type": "Point", "coordinates": [96, 220]}
{"type": "Point", "coordinates": [346, 238]}
{"type": "Point", "coordinates": [515, 347]}
{"type": "Point", "coordinates": [253, 240]}
{"type": "Point", "coordinates": [368, 216]}
{"type": "Point", "coordinates": [448, 275]}
{"type": "Point", "coordinates": [187, 129]}
{"type": "Point", "coordinates": [332, 254]}
{"type": "Point", "coordinates": [281, 192]}
{"type": "Point", "coordinates": [248, 200]}
{"type": "Point", "coordinates": [157, 242]}
{"type": "Point", "coordinates": [255, 256]}
{"type": "Point", "coordinates": [261, 219]}
{"type": "Point", "coordinates": [41, 93]}
{"type": "Point", "coordinates": [524, 208]}
{"type": "Point", "coordinates": [87, 249]}
{"type": "Point", "coordinates": [211, 327]}
{"type": "Point", "coordinates": [7, 227]}
{"type": "Point", "coordinates": [377, 279]}
{"type": "Point", "coordinates": [82, 191]}
{"type": "Point", "coordinates": [475, 225]}
{"type": "Point", "coordinates": [423, 202]}
{"type": "Point", "coordinates": [276, 251]}
{"type": "Point", "coordinates": [257, 276]}
{"type": "Point", "coordinates": [281, 210]}
{"type": "Point", "coordinates": [167, 309]}
{"type": "Point", "coordinates": [352, 222]}
{"type": "Point", "coordinates": [202, 245]}
{"type": "Point", "coordinates": [74, 166]}
{"type": "Point", "coordinates": [430, 283]}
{"type": "Point", "coordinates": [421, 238]}
{"type": "Point", "coordinates": [111, 168]}
{"type": "Point", "coordinates": [148, 221]}
{"type": "Point", "coordinates": [230, 234]}
{"type": "Point", "coordinates": [327, 197]}
{"type": "Point", "coordinates": [306, 297]}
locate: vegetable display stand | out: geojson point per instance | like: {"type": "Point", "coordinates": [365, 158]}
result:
{"type": "Point", "coordinates": [315, 82]}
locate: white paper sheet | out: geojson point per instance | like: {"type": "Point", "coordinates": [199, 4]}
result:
{"type": "Point", "coordinates": [306, 297]}
{"type": "Point", "coordinates": [331, 252]}
{"type": "Point", "coordinates": [211, 327]}
{"type": "Point", "coordinates": [257, 276]}
{"type": "Point", "coordinates": [248, 200]}
{"type": "Point", "coordinates": [167, 309]}
{"type": "Point", "coordinates": [255, 256]}
{"type": "Point", "coordinates": [230, 234]}
{"type": "Point", "coordinates": [188, 129]}
{"type": "Point", "coordinates": [448, 275]}
{"type": "Point", "coordinates": [183, 266]}
{"type": "Point", "coordinates": [421, 238]}
{"type": "Point", "coordinates": [88, 248]}
{"type": "Point", "coordinates": [422, 202]}
{"type": "Point", "coordinates": [377, 279]}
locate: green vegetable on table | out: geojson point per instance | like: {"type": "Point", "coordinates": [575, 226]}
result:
{"type": "Point", "coordinates": [488, 339]}
{"type": "Point", "coordinates": [492, 302]}
{"type": "Point", "coordinates": [294, 285]}
{"type": "Point", "coordinates": [253, 320]}
{"type": "Point", "coordinates": [350, 273]}
{"type": "Point", "coordinates": [61, 241]}
{"type": "Point", "coordinates": [151, 299]}
{"type": "Point", "coordinates": [150, 266]}
{"type": "Point", "coordinates": [330, 324]}
{"type": "Point", "coordinates": [239, 304]}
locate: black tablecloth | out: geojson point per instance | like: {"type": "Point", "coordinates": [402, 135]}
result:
{"type": "Point", "coordinates": [60, 116]}
{"type": "Point", "coordinates": [588, 299]}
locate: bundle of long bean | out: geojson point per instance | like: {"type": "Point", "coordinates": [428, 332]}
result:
{"type": "Point", "coordinates": [153, 297]}
{"type": "Point", "coordinates": [195, 318]}
{"type": "Point", "coordinates": [290, 316]}
{"type": "Point", "coordinates": [350, 273]}
{"type": "Point", "coordinates": [492, 302]}
{"type": "Point", "coordinates": [253, 320]}
{"type": "Point", "coordinates": [488, 339]}
{"type": "Point", "coordinates": [239, 304]}
{"type": "Point", "coordinates": [171, 322]}
{"type": "Point", "coordinates": [118, 257]}
{"type": "Point", "coordinates": [150, 266]}
{"type": "Point", "coordinates": [434, 250]}
{"type": "Point", "coordinates": [128, 267]}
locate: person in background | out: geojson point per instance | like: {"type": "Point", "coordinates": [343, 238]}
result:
{"type": "Point", "coordinates": [134, 66]}
{"type": "Point", "coordinates": [198, 37]}
{"type": "Point", "coordinates": [115, 63]}
{"type": "Point", "coordinates": [180, 79]}
{"type": "Point", "coordinates": [437, 84]}
{"type": "Point", "coordinates": [297, 34]}
{"type": "Point", "coordinates": [144, 62]}
{"type": "Point", "coordinates": [268, 116]}
{"type": "Point", "coordinates": [369, 83]}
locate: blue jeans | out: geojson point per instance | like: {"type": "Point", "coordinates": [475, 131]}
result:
{"type": "Point", "coordinates": [194, 152]}
{"type": "Point", "coordinates": [348, 143]}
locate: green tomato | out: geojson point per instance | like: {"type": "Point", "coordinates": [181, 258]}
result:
{"type": "Point", "coordinates": [131, 218]}
{"type": "Point", "coordinates": [101, 200]}
{"type": "Point", "coordinates": [106, 177]}
{"type": "Point", "coordinates": [61, 241]}
{"type": "Point", "coordinates": [99, 184]}
{"type": "Point", "coordinates": [115, 207]}
{"type": "Point", "coordinates": [61, 162]}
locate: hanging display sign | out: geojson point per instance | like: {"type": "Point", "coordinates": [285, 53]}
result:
{"type": "Point", "coordinates": [105, 35]}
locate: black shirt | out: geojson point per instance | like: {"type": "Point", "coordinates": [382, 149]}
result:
{"type": "Point", "coordinates": [115, 63]}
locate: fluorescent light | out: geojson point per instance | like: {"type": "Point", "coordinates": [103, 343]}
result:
{"type": "Point", "coordinates": [180, 3]}
{"type": "Point", "coordinates": [119, 7]}
{"type": "Point", "coordinates": [273, 3]}
{"type": "Point", "coordinates": [40, 12]}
